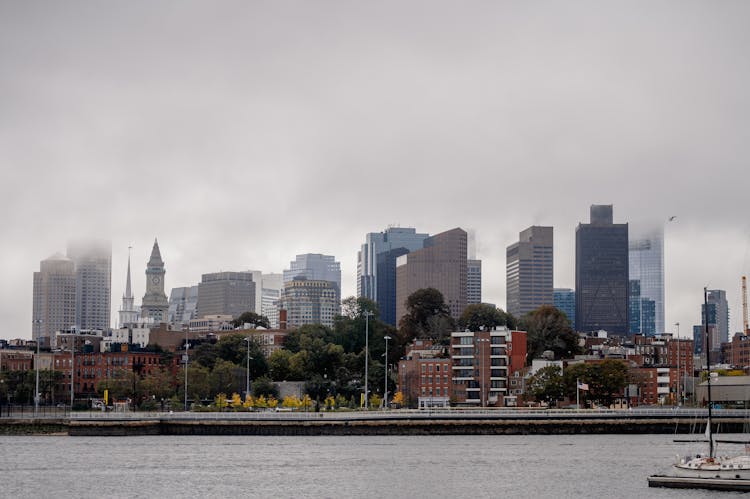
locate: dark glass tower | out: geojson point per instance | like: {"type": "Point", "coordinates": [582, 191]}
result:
{"type": "Point", "coordinates": [602, 273]}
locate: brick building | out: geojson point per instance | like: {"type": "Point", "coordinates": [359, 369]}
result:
{"type": "Point", "coordinates": [424, 375]}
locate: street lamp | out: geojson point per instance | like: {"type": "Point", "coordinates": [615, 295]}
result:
{"type": "Point", "coordinates": [36, 365]}
{"type": "Point", "coordinates": [385, 386]}
{"type": "Point", "coordinates": [185, 358]}
{"type": "Point", "coordinates": [367, 353]}
{"type": "Point", "coordinates": [482, 341]}
{"type": "Point", "coordinates": [247, 384]}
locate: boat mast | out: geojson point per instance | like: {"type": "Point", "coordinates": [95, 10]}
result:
{"type": "Point", "coordinates": [708, 368]}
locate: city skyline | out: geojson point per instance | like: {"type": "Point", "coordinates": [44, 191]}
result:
{"type": "Point", "coordinates": [278, 134]}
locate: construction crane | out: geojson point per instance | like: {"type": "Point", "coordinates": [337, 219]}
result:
{"type": "Point", "coordinates": [745, 328]}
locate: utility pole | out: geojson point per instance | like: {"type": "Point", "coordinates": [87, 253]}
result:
{"type": "Point", "coordinates": [385, 386]}
{"type": "Point", "coordinates": [367, 353]}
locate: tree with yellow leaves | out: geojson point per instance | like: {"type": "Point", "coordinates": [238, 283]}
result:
{"type": "Point", "coordinates": [236, 401]}
{"type": "Point", "coordinates": [375, 401]}
{"type": "Point", "coordinates": [398, 399]}
{"type": "Point", "coordinates": [330, 403]}
{"type": "Point", "coordinates": [291, 402]}
{"type": "Point", "coordinates": [249, 402]}
{"type": "Point", "coordinates": [261, 402]}
{"type": "Point", "coordinates": [272, 402]}
{"type": "Point", "coordinates": [306, 402]}
{"type": "Point", "coordinates": [221, 401]}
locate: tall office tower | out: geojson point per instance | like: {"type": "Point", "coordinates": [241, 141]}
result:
{"type": "Point", "coordinates": [155, 305]}
{"type": "Point", "coordinates": [441, 264]}
{"type": "Point", "coordinates": [310, 302]}
{"type": "Point", "coordinates": [718, 316]}
{"type": "Point", "coordinates": [128, 313]}
{"type": "Point", "coordinates": [226, 293]}
{"type": "Point", "coordinates": [602, 273]}
{"type": "Point", "coordinates": [529, 271]}
{"type": "Point", "coordinates": [93, 263]}
{"type": "Point", "coordinates": [565, 301]}
{"type": "Point", "coordinates": [473, 282]}
{"type": "Point", "coordinates": [54, 301]}
{"type": "Point", "coordinates": [183, 305]}
{"type": "Point", "coordinates": [646, 263]}
{"type": "Point", "coordinates": [377, 243]}
{"type": "Point", "coordinates": [314, 267]}
{"type": "Point", "coordinates": [272, 285]}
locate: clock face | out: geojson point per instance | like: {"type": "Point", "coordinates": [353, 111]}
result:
{"type": "Point", "coordinates": [155, 279]}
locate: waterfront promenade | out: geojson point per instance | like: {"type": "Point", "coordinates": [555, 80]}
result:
{"type": "Point", "coordinates": [396, 422]}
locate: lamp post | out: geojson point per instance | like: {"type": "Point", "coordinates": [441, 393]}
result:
{"type": "Point", "coordinates": [72, 368]}
{"type": "Point", "coordinates": [367, 353]}
{"type": "Point", "coordinates": [679, 375]}
{"type": "Point", "coordinates": [482, 341]}
{"type": "Point", "coordinates": [385, 385]}
{"type": "Point", "coordinates": [247, 381]}
{"type": "Point", "coordinates": [36, 365]}
{"type": "Point", "coordinates": [185, 358]}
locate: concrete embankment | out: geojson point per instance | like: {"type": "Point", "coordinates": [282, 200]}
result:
{"type": "Point", "coordinates": [11, 426]}
{"type": "Point", "coordinates": [421, 426]}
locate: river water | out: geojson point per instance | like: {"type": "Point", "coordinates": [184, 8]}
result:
{"type": "Point", "coordinates": [414, 467]}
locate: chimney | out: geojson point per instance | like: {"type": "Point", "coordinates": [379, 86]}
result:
{"type": "Point", "coordinates": [282, 318]}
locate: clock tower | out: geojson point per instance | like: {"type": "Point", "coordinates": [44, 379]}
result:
{"type": "Point", "coordinates": [155, 304]}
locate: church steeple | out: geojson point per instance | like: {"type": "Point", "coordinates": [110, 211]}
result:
{"type": "Point", "coordinates": [128, 314]}
{"type": "Point", "coordinates": [155, 260]}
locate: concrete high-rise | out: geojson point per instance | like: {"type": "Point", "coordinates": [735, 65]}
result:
{"type": "Point", "coordinates": [226, 293]}
{"type": "Point", "coordinates": [376, 266]}
{"type": "Point", "coordinates": [310, 302]}
{"type": "Point", "coordinates": [93, 264]}
{"type": "Point", "coordinates": [54, 299]}
{"type": "Point", "coordinates": [441, 264]}
{"type": "Point", "coordinates": [155, 305]}
{"type": "Point", "coordinates": [602, 285]}
{"type": "Point", "coordinates": [529, 271]}
{"type": "Point", "coordinates": [646, 268]}
{"type": "Point", "coordinates": [271, 288]}
{"type": "Point", "coordinates": [473, 282]}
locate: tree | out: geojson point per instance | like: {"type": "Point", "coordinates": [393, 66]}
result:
{"type": "Point", "coordinates": [252, 318]}
{"type": "Point", "coordinates": [398, 399]}
{"type": "Point", "coordinates": [158, 385]}
{"type": "Point", "coordinates": [427, 315]}
{"type": "Point", "coordinates": [605, 379]}
{"type": "Point", "coordinates": [547, 385]}
{"type": "Point", "coordinates": [199, 383]}
{"type": "Point", "coordinates": [549, 329]}
{"type": "Point", "coordinates": [353, 307]}
{"type": "Point", "coordinates": [278, 365]}
{"type": "Point", "coordinates": [233, 348]}
{"type": "Point", "coordinates": [480, 316]}
{"type": "Point", "coordinates": [226, 377]}
{"type": "Point", "coordinates": [264, 386]}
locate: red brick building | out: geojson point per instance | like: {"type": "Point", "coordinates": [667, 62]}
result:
{"type": "Point", "coordinates": [424, 375]}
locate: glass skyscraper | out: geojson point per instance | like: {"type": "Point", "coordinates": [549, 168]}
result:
{"type": "Point", "coordinates": [602, 285]}
{"type": "Point", "coordinates": [646, 268]}
{"type": "Point", "coordinates": [565, 301]}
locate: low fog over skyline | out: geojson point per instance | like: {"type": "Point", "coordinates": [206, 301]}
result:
{"type": "Point", "coordinates": [243, 133]}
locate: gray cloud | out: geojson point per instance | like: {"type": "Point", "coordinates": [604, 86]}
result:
{"type": "Point", "coordinates": [242, 133]}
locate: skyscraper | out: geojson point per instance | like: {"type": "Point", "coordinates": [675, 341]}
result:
{"type": "Point", "coordinates": [93, 264]}
{"type": "Point", "coordinates": [441, 264]}
{"type": "Point", "coordinates": [54, 300]}
{"type": "Point", "coordinates": [272, 286]}
{"type": "Point", "coordinates": [310, 302]}
{"type": "Point", "coordinates": [183, 305]}
{"type": "Point", "coordinates": [529, 271]}
{"type": "Point", "coordinates": [226, 293]}
{"type": "Point", "coordinates": [565, 301]}
{"type": "Point", "coordinates": [718, 316]}
{"type": "Point", "coordinates": [155, 305]}
{"type": "Point", "coordinates": [314, 267]}
{"type": "Point", "coordinates": [368, 264]}
{"type": "Point", "coordinates": [602, 273]}
{"type": "Point", "coordinates": [473, 282]}
{"type": "Point", "coordinates": [646, 266]}
{"type": "Point", "coordinates": [128, 313]}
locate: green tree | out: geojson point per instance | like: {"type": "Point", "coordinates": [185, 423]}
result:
{"type": "Point", "coordinates": [159, 385]}
{"type": "Point", "coordinates": [549, 329]}
{"type": "Point", "coordinates": [546, 385]}
{"type": "Point", "coordinates": [251, 318]}
{"type": "Point", "coordinates": [278, 365]}
{"type": "Point", "coordinates": [265, 387]}
{"type": "Point", "coordinates": [199, 384]}
{"type": "Point", "coordinates": [605, 379]}
{"type": "Point", "coordinates": [427, 315]}
{"type": "Point", "coordinates": [233, 348]}
{"type": "Point", "coordinates": [480, 316]}
{"type": "Point", "coordinates": [226, 377]}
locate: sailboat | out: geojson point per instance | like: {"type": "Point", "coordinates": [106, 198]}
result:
{"type": "Point", "coordinates": [707, 471]}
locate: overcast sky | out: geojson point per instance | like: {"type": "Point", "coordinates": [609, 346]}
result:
{"type": "Point", "coordinates": [242, 133]}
